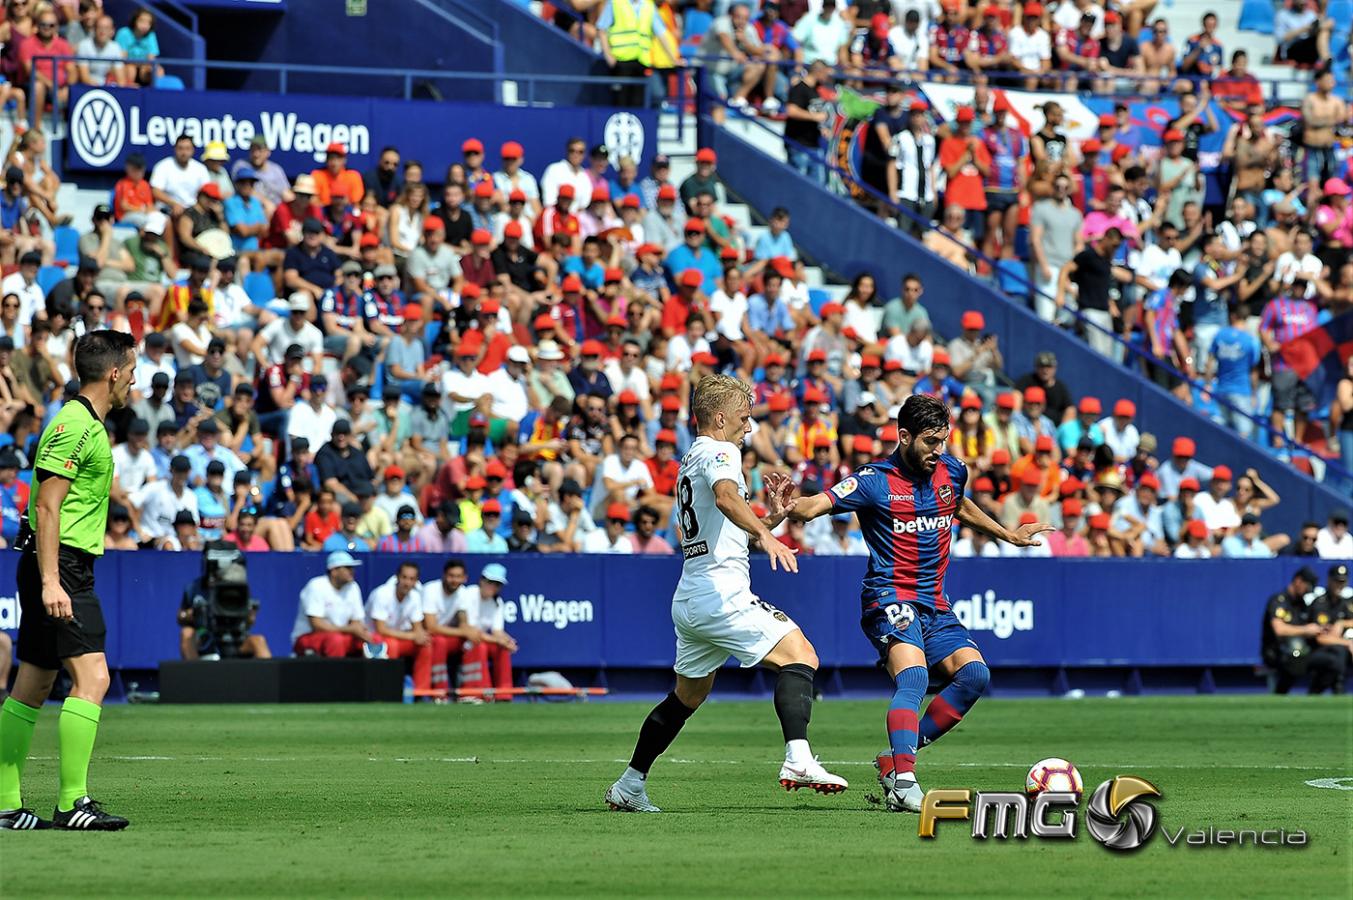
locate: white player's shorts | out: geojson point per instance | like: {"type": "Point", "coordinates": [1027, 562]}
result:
{"type": "Point", "coordinates": [711, 628]}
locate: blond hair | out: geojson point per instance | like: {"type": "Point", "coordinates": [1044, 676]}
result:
{"type": "Point", "coordinates": [718, 393]}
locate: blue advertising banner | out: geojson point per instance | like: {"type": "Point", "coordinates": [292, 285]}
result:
{"type": "Point", "coordinates": [596, 611]}
{"type": "Point", "coordinates": [107, 124]}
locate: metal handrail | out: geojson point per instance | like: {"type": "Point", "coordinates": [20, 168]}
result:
{"type": "Point", "coordinates": [703, 96]}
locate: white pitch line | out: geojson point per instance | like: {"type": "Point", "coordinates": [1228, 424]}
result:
{"type": "Point", "coordinates": [478, 760]}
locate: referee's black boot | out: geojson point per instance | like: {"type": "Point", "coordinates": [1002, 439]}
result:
{"type": "Point", "coordinates": [87, 815]}
{"type": "Point", "coordinates": [22, 820]}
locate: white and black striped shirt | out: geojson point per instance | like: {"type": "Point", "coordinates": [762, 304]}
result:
{"type": "Point", "coordinates": [914, 156]}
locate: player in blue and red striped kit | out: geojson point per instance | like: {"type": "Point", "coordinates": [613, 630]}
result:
{"type": "Point", "coordinates": [907, 505]}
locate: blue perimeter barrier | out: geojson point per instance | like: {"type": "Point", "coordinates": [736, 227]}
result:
{"type": "Point", "coordinates": [612, 612]}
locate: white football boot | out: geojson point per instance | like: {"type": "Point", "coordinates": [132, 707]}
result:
{"type": "Point", "coordinates": [906, 795]}
{"type": "Point", "coordinates": [811, 776]}
{"type": "Point", "coordinates": [621, 801]}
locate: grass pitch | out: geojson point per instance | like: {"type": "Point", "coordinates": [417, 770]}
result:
{"type": "Point", "coordinates": [365, 801]}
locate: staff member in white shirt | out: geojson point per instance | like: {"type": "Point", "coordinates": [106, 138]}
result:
{"type": "Point", "coordinates": [442, 620]}
{"type": "Point", "coordinates": [481, 607]}
{"type": "Point", "coordinates": [330, 620]}
{"type": "Point", "coordinates": [395, 611]}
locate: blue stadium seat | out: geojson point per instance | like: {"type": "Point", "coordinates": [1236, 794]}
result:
{"type": "Point", "coordinates": [67, 242]}
{"type": "Point", "coordinates": [49, 277]}
{"type": "Point", "coordinates": [1257, 16]}
{"type": "Point", "coordinates": [258, 285]}
{"type": "Point", "coordinates": [817, 298]}
{"type": "Point", "coordinates": [169, 83]}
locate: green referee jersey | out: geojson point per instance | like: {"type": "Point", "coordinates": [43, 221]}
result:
{"type": "Point", "coordinates": [75, 447]}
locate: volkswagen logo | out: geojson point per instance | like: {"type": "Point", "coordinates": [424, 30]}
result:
{"type": "Point", "coordinates": [97, 128]}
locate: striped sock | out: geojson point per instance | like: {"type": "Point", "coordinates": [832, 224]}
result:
{"type": "Point", "coordinates": [911, 684]}
{"type": "Point", "coordinates": [950, 705]}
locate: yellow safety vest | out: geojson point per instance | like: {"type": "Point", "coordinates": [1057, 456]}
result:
{"type": "Point", "coordinates": [631, 35]}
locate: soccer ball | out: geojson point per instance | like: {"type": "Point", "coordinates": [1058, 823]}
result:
{"type": "Point", "coordinates": [1054, 775]}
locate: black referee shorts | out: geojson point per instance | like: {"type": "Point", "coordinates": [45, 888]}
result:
{"type": "Point", "coordinates": [43, 641]}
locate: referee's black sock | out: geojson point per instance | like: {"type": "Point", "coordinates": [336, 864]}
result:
{"type": "Point", "coordinates": [794, 700]}
{"type": "Point", "coordinates": [659, 730]}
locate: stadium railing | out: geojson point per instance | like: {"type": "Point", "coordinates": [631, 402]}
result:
{"type": "Point", "coordinates": [1328, 469]}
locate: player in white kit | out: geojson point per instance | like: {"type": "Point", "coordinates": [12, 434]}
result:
{"type": "Point", "coordinates": [714, 611]}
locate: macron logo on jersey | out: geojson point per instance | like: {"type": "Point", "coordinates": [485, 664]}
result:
{"type": "Point", "coordinates": [922, 523]}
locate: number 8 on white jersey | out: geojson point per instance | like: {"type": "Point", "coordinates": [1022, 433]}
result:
{"type": "Point", "coordinates": [715, 550]}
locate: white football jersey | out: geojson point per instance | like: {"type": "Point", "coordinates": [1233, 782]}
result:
{"type": "Point", "coordinates": [383, 605]}
{"type": "Point", "coordinates": [715, 550]}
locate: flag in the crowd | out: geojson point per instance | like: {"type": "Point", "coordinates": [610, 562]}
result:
{"type": "Point", "coordinates": [1320, 356]}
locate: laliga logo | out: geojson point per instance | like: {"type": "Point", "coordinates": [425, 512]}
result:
{"type": "Point", "coordinates": [624, 136]}
{"type": "Point", "coordinates": [1113, 799]}
{"type": "Point", "coordinates": [98, 128]}
{"type": "Point", "coordinates": [1001, 617]}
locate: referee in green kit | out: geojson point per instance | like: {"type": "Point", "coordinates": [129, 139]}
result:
{"type": "Point", "coordinates": [62, 624]}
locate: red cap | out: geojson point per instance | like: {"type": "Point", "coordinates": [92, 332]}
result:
{"type": "Point", "coordinates": [822, 440]}
{"type": "Point", "coordinates": [983, 485]}
{"type": "Point", "coordinates": [666, 436]}
{"type": "Point", "coordinates": [490, 308]}
{"type": "Point", "coordinates": [495, 469]}
{"type": "Point", "coordinates": [1149, 480]}
{"type": "Point", "coordinates": [1107, 120]}
{"type": "Point", "coordinates": [783, 266]}
{"type": "Point", "coordinates": [647, 248]}
{"type": "Point", "coordinates": [1100, 521]}
{"type": "Point", "coordinates": [1090, 147]}
{"type": "Point", "coordinates": [671, 402]}
{"type": "Point", "coordinates": [1001, 104]}
{"type": "Point", "coordinates": [411, 312]}
{"type": "Point", "coordinates": [892, 365]}
{"type": "Point", "coordinates": [692, 278]}
{"type": "Point", "coordinates": [729, 253]}
{"type": "Point", "coordinates": [475, 483]}
{"type": "Point", "coordinates": [1183, 447]}
{"type": "Point", "coordinates": [627, 397]}
{"type": "Point", "coordinates": [617, 321]}
{"type": "Point", "coordinates": [814, 395]}
{"type": "Point", "coordinates": [779, 402]}
{"type": "Point", "coordinates": [973, 320]}
{"type": "Point", "coordinates": [472, 145]}
{"type": "Point", "coordinates": [1031, 476]}
{"type": "Point", "coordinates": [470, 289]}
{"type": "Point", "coordinates": [370, 239]}
{"type": "Point", "coordinates": [831, 308]}
{"type": "Point", "coordinates": [566, 190]}
{"type": "Point", "coordinates": [1196, 528]}
{"type": "Point", "coordinates": [889, 434]}
{"type": "Point", "coordinates": [340, 149]}
{"type": "Point", "coordinates": [1033, 9]}
{"type": "Point", "coordinates": [618, 511]}
{"type": "Point", "coordinates": [1221, 473]}
{"type": "Point", "coordinates": [1174, 134]}
{"type": "Point", "coordinates": [512, 230]}
{"type": "Point", "coordinates": [433, 223]}
{"type": "Point", "coordinates": [1043, 443]}
{"type": "Point", "coordinates": [572, 284]}
{"type": "Point", "coordinates": [393, 472]}
{"type": "Point", "coordinates": [862, 443]}
{"type": "Point", "coordinates": [694, 225]}
{"type": "Point", "coordinates": [601, 193]}
{"type": "Point", "coordinates": [211, 189]}
{"type": "Point", "coordinates": [1000, 457]}
{"type": "Point", "coordinates": [1190, 484]}
{"type": "Point", "coordinates": [1027, 518]}
{"type": "Point", "coordinates": [516, 195]}
{"type": "Point", "coordinates": [670, 382]}
{"type": "Point", "coordinates": [614, 275]}
{"type": "Point", "coordinates": [543, 322]}
{"type": "Point", "coordinates": [1070, 486]}
{"type": "Point", "coordinates": [1005, 401]}
{"type": "Point", "coordinates": [970, 401]}
{"type": "Point", "coordinates": [1111, 18]}
{"type": "Point", "coordinates": [1035, 394]}
{"type": "Point", "coordinates": [491, 506]}
{"type": "Point", "coordinates": [919, 105]}
{"type": "Point", "coordinates": [705, 358]}
{"type": "Point", "coordinates": [481, 237]}
{"type": "Point", "coordinates": [774, 359]}
{"type": "Point", "coordinates": [511, 150]}
{"type": "Point", "coordinates": [818, 355]}
{"type": "Point", "coordinates": [667, 192]}
{"type": "Point", "coordinates": [1122, 151]}
{"type": "Point", "coordinates": [1072, 506]}
{"type": "Point", "coordinates": [870, 361]}
{"type": "Point", "coordinates": [593, 348]}
{"type": "Point", "coordinates": [991, 10]}
{"type": "Point", "coordinates": [965, 114]}
{"type": "Point", "coordinates": [1090, 406]}
{"type": "Point", "coordinates": [940, 357]}
{"type": "Point", "coordinates": [706, 155]}
{"type": "Point", "coordinates": [468, 348]}
{"type": "Point", "coordinates": [879, 25]}
{"type": "Point", "coordinates": [483, 189]}
{"type": "Point", "coordinates": [630, 201]}
{"type": "Point", "coordinates": [1125, 408]}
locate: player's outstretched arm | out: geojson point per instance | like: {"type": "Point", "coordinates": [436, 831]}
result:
{"type": "Point", "coordinates": [974, 516]}
{"type": "Point", "coordinates": [728, 498]}
{"type": "Point", "coordinates": [803, 509]}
